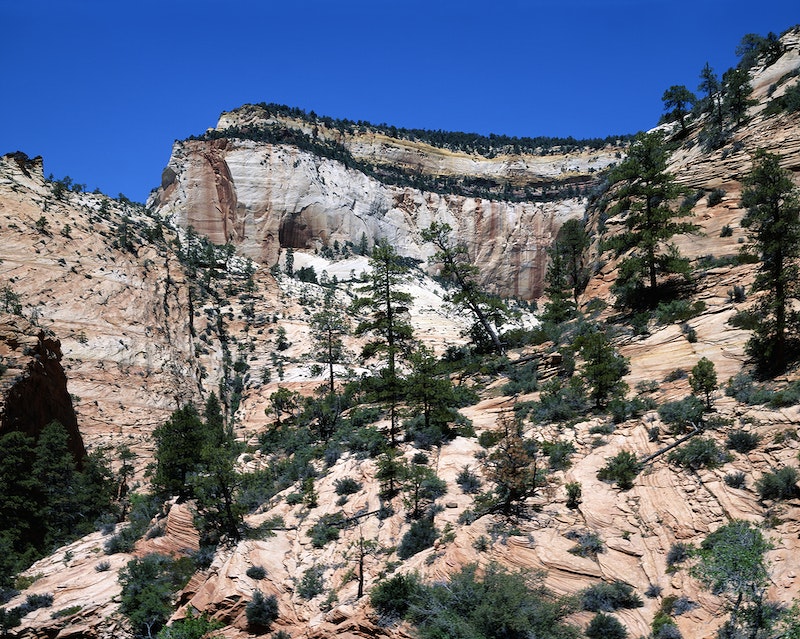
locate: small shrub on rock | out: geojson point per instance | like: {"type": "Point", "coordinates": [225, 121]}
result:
{"type": "Point", "coordinates": [604, 626]}
{"type": "Point", "coordinates": [622, 469]}
{"type": "Point", "coordinates": [742, 441]}
{"type": "Point", "coordinates": [420, 536]}
{"type": "Point", "coordinates": [604, 597]}
{"type": "Point", "coordinates": [781, 484]}
{"type": "Point", "coordinates": [256, 572]}
{"type": "Point", "coordinates": [261, 611]}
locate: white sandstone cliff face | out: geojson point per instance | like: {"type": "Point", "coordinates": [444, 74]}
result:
{"type": "Point", "coordinates": [265, 197]}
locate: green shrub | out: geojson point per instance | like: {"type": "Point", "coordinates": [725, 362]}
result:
{"type": "Point", "coordinates": [622, 409]}
{"type": "Point", "coordinates": [742, 441]}
{"type": "Point", "coordinates": [603, 626]}
{"type": "Point", "coordinates": [667, 630]}
{"type": "Point", "coordinates": [781, 484]}
{"type": "Point", "coordinates": [602, 429]}
{"type": "Point", "coordinates": [34, 602]}
{"type": "Point", "coordinates": [682, 605]}
{"type": "Point", "coordinates": [746, 320]}
{"type": "Point", "coordinates": [148, 587]}
{"type": "Point", "coordinates": [560, 402]}
{"type": "Point", "coordinates": [736, 479]}
{"type": "Point", "coordinates": [678, 311]}
{"type": "Point", "coordinates": [191, 627]}
{"type": "Point", "coordinates": [346, 486]}
{"type": "Point", "coordinates": [715, 197]}
{"type": "Point", "coordinates": [367, 441]}
{"type": "Point", "coordinates": [558, 453]}
{"type": "Point", "coordinates": [491, 604]}
{"type": "Point", "coordinates": [675, 375]}
{"type": "Point", "coordinates": [392, 597]}
{"type": "Point", "coordinates": [604, 597]}
{"type": "Point", "coordinates": [469, 481]}
{"type": "Point", "coordinates": [326, 529]}
{"type": "Point", "coordinates": [678, 553]}
{"type": "Point", "coordinates": [726, 231]}
{"type": "Point", "coordinates": [622, 469]}
{"type": "Point", "coordinates": [261, 611]}
{"type": "Point", "coordinates": [522, 379]}
{"type": "Point", "coordinates": [311, 584]}
{"type": "Point", "coordinates": [489, 438]}
{"type": "Point", "coordinates": [362, 416]}
{"type": "Point", "coordinates": [788, 396]}
{"type": "Point", "coordinates": [256, 572]}
{"type": "Point", "coordinates": [682, 413]}
{"type": "Point", "coordinates": [700, 452]}
{"type": "Point", "coordinates": [588, 543]}
{"type": "Point", "coordinates": [737, 294]}
{"type": "Point", "coordinates": [574, 492]}
{"type": "Point", "coordinates": [653, 591]}
{"type": "Point", "coordinates": [420, 536]}
{"type": "Point", "coordinates": [66, 612]}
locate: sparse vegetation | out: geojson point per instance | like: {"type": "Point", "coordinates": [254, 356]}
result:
{"type": "Point", "coordinates": [492, 604]}
{"type": "Point", "coordinates": [779, 484]}
{"type": "Point", "coordinates": [699, 452]}
{"type": "Point", "coordinates": [605, 597]}
{"type": "Point", "coordinates": [621, 469]}
{"type": "Point", "coordinates": [261, 611]}
{"type": "Point", "coordinates": [311, 584]}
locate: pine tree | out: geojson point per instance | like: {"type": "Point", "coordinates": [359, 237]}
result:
{"type": "Point", "coordinates": [604, 367]}
{"type": "Point", "coordinates": [566, 275]}
{"type": "Point", "coordinates": [703, 379]}
{"type": "Point", "coordinates": [773, 220]}
{"type": "Point", "coordinates": [387, 321]}
{"type": "Point", "coordinates": [489, 311]}
{"type": "Point", "coordinates": [677, 101]}
{"type": "Point", "coordinates": [430, 393]}
{"type": "Point", "coordinates": [515, 468]}
{"type": "Point", "coordinates": [710, 85]}
{"type": "Point", "coordinates": [646, 192]}
{"type": "Point", "coordinates": [179, 449]}
{"type": "Point", "coordinates": [737, 99]}
{"type": "Point", "coordinates": [328, 326]}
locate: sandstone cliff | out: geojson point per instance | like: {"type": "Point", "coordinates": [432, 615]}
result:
{"type": "Point", "coordinates": [263, 197]}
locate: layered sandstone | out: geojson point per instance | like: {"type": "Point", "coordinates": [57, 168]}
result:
{"type": "Point", "coordinates": [265, 197]}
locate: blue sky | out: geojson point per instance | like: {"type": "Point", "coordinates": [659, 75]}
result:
{"type": "Point", "coordinates": [102, 88]}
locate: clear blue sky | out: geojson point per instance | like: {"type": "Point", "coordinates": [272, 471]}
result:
{"type": "Point", "coordinates": [102, 88]}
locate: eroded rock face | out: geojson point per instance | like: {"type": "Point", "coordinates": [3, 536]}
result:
{"type": "Point", "coordinates": [266, 197]}
{"type": "Point", "coordinates": [33, 391]}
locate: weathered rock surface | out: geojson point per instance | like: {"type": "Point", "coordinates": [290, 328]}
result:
{"type": "Point", "coordinates": [151, 343]}
{"type": "Point", "coordinates": [33, 385]}
{"type": "Point", "coordinates": [267, 197]}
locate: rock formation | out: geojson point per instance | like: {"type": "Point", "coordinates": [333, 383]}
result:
{"type": "Point", "coordinates": [144, 328]}
{"type": "Point", "coordinates": [33, 388]}
{"type": "Point", "coordinates": [264, 197]}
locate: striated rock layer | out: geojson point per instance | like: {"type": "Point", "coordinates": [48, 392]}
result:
{"type": "Point", "coordinates": [265, 197]}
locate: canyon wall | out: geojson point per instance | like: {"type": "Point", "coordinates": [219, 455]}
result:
{"type": "Point", "coordinates": [264, 197]}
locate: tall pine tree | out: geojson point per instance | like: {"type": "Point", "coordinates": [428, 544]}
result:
{"type": "Point", "coordinates": [647, 192]}
{"type": "Point", "coordinates": [387, 321]}
{"type": "Point", "coordinates": [773, 220]}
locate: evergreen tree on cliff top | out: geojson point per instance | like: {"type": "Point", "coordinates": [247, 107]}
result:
{"type": "Point", "coordinates": [646, 193]}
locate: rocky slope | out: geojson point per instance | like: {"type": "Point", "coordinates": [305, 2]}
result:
{"type": "Point", "coordinates": [139, 335]}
